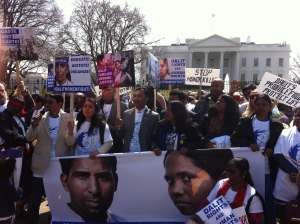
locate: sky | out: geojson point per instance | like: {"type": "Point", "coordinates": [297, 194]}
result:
{"type": "Point", "coordinates": [265, 21]}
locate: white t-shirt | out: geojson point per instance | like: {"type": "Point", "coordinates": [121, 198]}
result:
{"type": "Point", "coordinates": [288, 144]}
{"type": "Point", "coordinates": [190, 107]}
{"type": "Point", "coordinates": [87, 144]}
{"type": "Point", "coordinates": [53, 126]}
{"type": "Point", "coordinates": [255, 206]}
{"type": "Point", "coordinates": [106, 110]}
{"type": "Point", "coordinates": [135, 140]}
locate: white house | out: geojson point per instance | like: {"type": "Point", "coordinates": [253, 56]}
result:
{"type": "Point", "coordinates": [244, 61]}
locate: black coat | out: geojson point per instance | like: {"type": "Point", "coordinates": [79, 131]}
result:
{"type": "Point", "coordinates": [243, 136]}
{"type": "Point", "coordinates": [8, 196]}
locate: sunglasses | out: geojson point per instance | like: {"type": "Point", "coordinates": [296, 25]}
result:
{"type": "Point", "coordinates": [253, 96]}
{"type": "Point", "coordinates": [232, 171]}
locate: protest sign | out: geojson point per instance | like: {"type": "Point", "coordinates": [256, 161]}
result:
{"type": "Point", "coordinates": [124, 90]}
{"type": "Point", "coordinates": [146, 190]}
{"type": "Point", "coordinates": [218, 211]}
{"type": "Point", "coordinates": [18, 43]}
{"type": "Point", "coordinates": [72, 74]}
{"type": "Point", "coordinates": [241, 213]}
{"type": "Point", "coordinates": [172, 70]}
{"type": "Point", "coordinates": [193, 76]}
{"type": "Point", "coordinates": [153, 79]}
{"type": "Point", "coordinates": [280, 89]}
{"type": "Point", "coordinates": [97, 91]}
{"type": "Point", "coordinates": [50, 78]}
{"type": "Point", "coordinates": [116, 69]}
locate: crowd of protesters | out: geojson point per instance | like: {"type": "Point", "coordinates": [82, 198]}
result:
{"type": "Point", "coordinates": [39, 127]}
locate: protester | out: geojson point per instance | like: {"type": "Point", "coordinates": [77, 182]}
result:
{"type": "Point", "coordinates": [241, 100]}
{"type": "Point", "coordinates": [8, 193]}
{"type": "Point", "coordinates": [177, 95]}
{"type": "Point", "coordinates": [286, 154]}
{"type": "Point", "coordinates": [22, 92]}
{"type": "Point", "coordinates": [177, 131]}
{"type": "Point", "coordinates": [49, 130]}
{"type": "Point", "coordinates": [3, 96]}
{"type": "Point", "coordinates": [38, 108]}
{"type": "Point", "coordinates": [35, 91]}
{"type": "Point", "coordinates": [246, 90]}
{"type": "Point", "coordinates": [79, 99]}
{"type": "Point", "coordinates": [250, 106]}
{"type": "Point", "coordinates": [90, 130]}
{"type": "Point", "coordinates": [183, 98]}
{"type": "Point", "coordinates": [237, 190]}
{"type": "Point", "coordinates": [108, 108]}
{"type": "Point", "coordinates": [221, 120]}
{"type": "Point", "coordinates": [192, 176]}
{"type": "Point", "coordinates": [278, 112]}
{"type": "Point", "coordinates": [150, 102]}
{"type": "Point", "coordinates": [260, 131]}
{"type": "Point", "coordinates": [209, 100]}
{"type": "Point", "coordinates": [137, 124]}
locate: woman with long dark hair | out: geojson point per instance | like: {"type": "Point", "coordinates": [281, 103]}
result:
{"type": "Point", "coordinates": [237, 190]}
{"type": "Point", "coordinates": [260, 131]}
{"type": "Point", "coordinates": [90, 130]}
{"type": "Point", "coordinates": [220, 120]}
{"type": "Point", "coordinates": [176, 131]}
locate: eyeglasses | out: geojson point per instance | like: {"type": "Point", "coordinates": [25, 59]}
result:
{"type": "Point", "coordinates": [232, 171]}
{"type": "Point", "coordinates": [253, 96]}
{"type": "Point", "coordinates": [49, 102]}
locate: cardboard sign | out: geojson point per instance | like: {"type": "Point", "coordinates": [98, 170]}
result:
{"type": "Point", "coordinates": [218, 211]}
{"type": "Point", "coordinates": [116, 69]}
{"type": "Point", "coordinates": [241, 213]}
{"type": "Point", "coordinates": [280, 89]}
{"type": "Point", "coordinates": [124, 90]}
{"type": "Point", "coordinates": [203, 76]}
{"type": "Point", "coordinates": [153, 80]}
{"type": "Point", "coordinates": [18, 43]}
{"type": "Point", "coordinates": [172, 70]}
{"type": "Point", "coordinates": [72, 74]}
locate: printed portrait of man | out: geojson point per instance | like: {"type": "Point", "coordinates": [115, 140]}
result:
{"type": "Point", "coordinates": [91, 184]}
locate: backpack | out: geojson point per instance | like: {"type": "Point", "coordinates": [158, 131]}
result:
{"type": "Point", "coordinates": [249, 203]}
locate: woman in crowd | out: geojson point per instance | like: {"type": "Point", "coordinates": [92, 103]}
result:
{"type": "Point", "coordinates": [250, 106]}
{"type": "Point", "coordinates": [8, 193]}
{"type": "Point", "coordinates": [193, 175]}
{"type": "Point", "coordinates": [220, 120]}
{"type": "Point", "coordinates": [261, 131]}
{"type": "Point", "coordinates": [237, 190]}
{"type": "Point", "coordinates": [90, 130]}
{"type": "Point", "coordinates": [287, 156]}
{"type": "Point", "coordinates": [176, 131]}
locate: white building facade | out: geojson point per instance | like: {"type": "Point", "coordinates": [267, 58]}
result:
{"type": "Point", "coordinates": [244, 61]}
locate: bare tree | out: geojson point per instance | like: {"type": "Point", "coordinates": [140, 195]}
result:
{"type": "Point", "coordinates": [46, 16]}
{"type": "Point", "coordinates": [98, 27]}
{"type": "Point", "coordinates": [295, 69]}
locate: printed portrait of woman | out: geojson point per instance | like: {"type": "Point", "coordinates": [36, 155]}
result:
{"type": "Point", "coordinates": [164, 72]}
{"type": "Point", "coordinates": [193, 175]}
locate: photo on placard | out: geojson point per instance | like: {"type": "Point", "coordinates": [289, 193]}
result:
{"type": "Point", "coordinates": [116, 69]}
{"type": "Point", "coordinates": [18, 44]}
{"type": "Point", "coordinates": [172, 70]}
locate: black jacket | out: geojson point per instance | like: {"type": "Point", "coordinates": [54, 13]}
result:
{"type": "Point", "coordinates": [243, 136]}
{"type": "Point", "coordinates": [11, 132]}
{"type": "Point", "coordinates": [189, 138]}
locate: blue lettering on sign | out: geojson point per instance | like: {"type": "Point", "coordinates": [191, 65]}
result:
{"type": "Point", "coordinates": [7, 37]}
{"type": "Point", "coordinates": [72, 89]}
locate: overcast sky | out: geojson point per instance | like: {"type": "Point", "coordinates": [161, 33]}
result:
{"type": "Point", "coordinates": [265, 21]}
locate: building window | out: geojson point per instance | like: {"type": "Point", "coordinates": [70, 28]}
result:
{"type": "Point", "coordinates": [280, 62]}
{"type": "Point", "coordinates": [280, 75]}
{"type": "Point", "coordinates": [254, 77]}
{"type": "Point", "coordinates": [212, 63]}
{"type": "Point", "coordinates": [243, 77]}
{"type": "Point", "coordinates": [198, 63]}
{"type": "Point", "coordinates": [268, 62]}
{"type": "Point", "coordinates": [244, 62]}
{"type": "Point", "coordinates": [255, 62]}
{"type": "Point", "coordinates": [225, 63]}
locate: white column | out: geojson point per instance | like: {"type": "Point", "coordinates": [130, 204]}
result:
{"type": "Point", "coordinates": [191, 60]}
{"type": "Point", "coordinates": [237, 66]}
{"type": "Point", "coordinates": [221, 64]}
{"type": "Point", "coordinates": [205, 59]}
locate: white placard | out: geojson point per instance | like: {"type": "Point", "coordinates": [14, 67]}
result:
{"type": "Point", "coordinates": [124, 90]}
{"type": "Point", "coordinates": [218, 211]}
{"type": "Point", "coordinates": [193, 75]}
{"type": "Point", "coordinates": [280, 89]}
